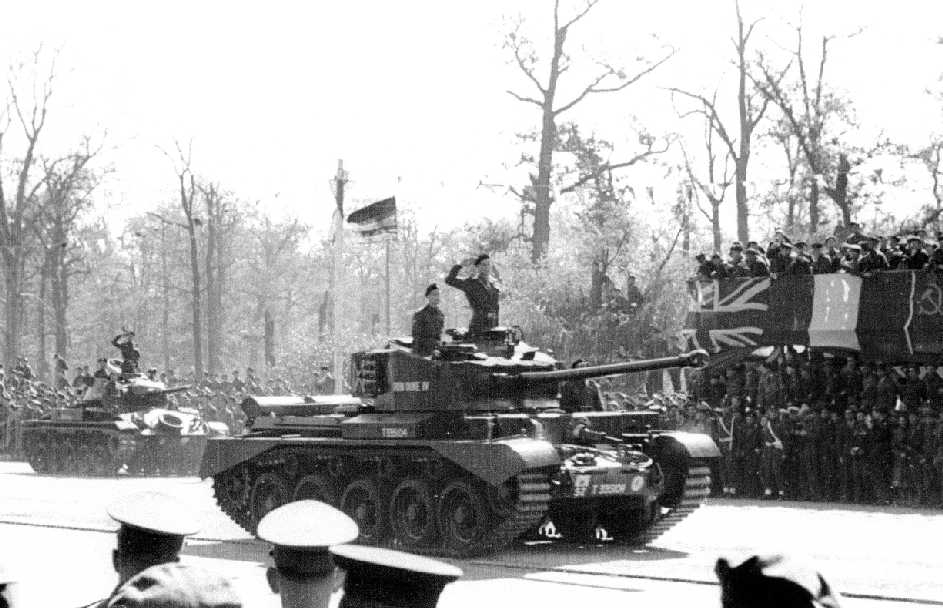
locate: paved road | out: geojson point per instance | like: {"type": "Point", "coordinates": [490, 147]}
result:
{"type": "Point", "coordinates": [60, 538]}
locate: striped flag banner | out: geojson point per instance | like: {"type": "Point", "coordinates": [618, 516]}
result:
{"type": "Point", "coordinates": [376, 218]}
{"type": "Point", "coordinates": [887, 315]}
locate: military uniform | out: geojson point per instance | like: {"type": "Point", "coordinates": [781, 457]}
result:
{"type": "Point", "coordinates": [176, 585]}
{"type": "Point", "coordinates": [393, 579]}
{"type": "Point", "coordinates": [428, 322]}
{"type": "Point", "coordinates": [482, 297]}
{"type": "Point", "coordinates": [301, 534]}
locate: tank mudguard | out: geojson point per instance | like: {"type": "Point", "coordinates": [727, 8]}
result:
{"type": "Point", "coordinates": [697, 445]}
{"type": "Point", "coordinates": [497, 461]}
{"type": "Point", "coordinates": [223, 453]}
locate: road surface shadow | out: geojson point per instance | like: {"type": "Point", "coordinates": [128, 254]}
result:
{"type": "Point", "coordinates": [824, 506]}
{"type": "Point", "coordinates": [561, 557]}
{"type": "Point", "coordinates": [237, 551]}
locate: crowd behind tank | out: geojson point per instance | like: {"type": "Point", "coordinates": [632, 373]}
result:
{"type": "Point", "coordinates": [804, 426]}
{"type": "Point", "coordinates": [848, 250]}
{"type": "Point", "coordinates": [25, 396]}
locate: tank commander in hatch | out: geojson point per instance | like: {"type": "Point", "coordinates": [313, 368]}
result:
{"type": "Point", "coordinates": [428, 322]}
{"type": "Point", "coordinates": [481, 290]}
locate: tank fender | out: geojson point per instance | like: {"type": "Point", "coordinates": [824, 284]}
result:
{"type": "Point", "coordinates": [696, 445]}
{"type": "Point", "coordinates": [223, 453]}
{"type": "Point", "coordinates": [497, 461]}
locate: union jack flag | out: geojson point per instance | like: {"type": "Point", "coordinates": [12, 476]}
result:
{"type": "Point", "coordinates": [726, 314]}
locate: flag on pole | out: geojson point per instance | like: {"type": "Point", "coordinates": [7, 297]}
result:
{"type": "Point", "coordinates": [376, 218]}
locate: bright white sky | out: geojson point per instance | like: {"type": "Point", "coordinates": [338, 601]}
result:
{"type": "Point", "coordinates": [411, 94]}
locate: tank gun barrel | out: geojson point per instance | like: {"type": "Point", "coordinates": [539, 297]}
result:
{"type": "Point", "coordinates": [176, 389]}
{"type": "Point", "coordinates": [695, 358]}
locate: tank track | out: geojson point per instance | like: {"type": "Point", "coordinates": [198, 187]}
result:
{"type": "Point", "coordinates": [697, 487]}
{"type": "Point", "coordinates": [508, 518]}
{"type": "Point", "coordinates": [104, 453]}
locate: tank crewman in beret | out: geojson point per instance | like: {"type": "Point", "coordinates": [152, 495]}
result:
{"type": "Point", "coordinates": [393, 579]}
{"type": "Point", "coordinates": [773, 582]}
{"type": "Point", "coordinates": [301, 534]}
{"type": "Point", "coordinates": [428, 322]}
{"type": "Point", "coordinates": [175, 586]}
{"type": "Point", "coordinates": [130, 355]}
{"type": "Point", "coordinates": [152, 528]}
{"type": "Point", "coordinates": [482, 292]}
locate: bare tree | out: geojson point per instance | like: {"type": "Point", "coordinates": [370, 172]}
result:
{"type": "Point", "coordinates": [30, 118]}
{"type": "Point", "coordinates": [751, 105]}
{"type": "Point", "coordinates": [67, 184]}
{"type": "Point", "coordinates": [608, 79]}
{"type": "Point", "coordinates": [713, 186]}
{"type": "Point", "coordinates": [188, 195]}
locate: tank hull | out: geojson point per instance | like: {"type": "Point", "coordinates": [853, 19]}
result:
{"type": "Point", "coordinates": [154, 442]}
{"type": "Point", "coordinates": [451, 498]}
{"type": "Point", "coordinates": [416, 494]}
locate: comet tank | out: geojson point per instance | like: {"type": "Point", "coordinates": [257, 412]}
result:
{"type": "Point", "coordinates": [464, 452]}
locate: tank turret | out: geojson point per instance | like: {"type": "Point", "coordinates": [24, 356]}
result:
{"type": "Point", "coordinates": [463, 377]}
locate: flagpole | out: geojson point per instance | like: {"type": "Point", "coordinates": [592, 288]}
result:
{"type": "Point", "coordinates": [337, 363]}
{"type": "Point", "coordinates": [388, 328]}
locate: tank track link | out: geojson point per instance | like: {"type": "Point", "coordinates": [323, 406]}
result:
{"type": "Point", "coordinates": [99, 453]}
{"type": "Point", "coordinates": [508, 519]}
{"type": "Point", "coordinates": [697, 487]}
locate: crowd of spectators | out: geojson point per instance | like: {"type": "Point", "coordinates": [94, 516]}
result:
{"type": "Point", "coordinates": [803, 427]}
{"type": "Point", "coordinates": [849, 251]}
{"type": "Point", "coordinates": [24, 396]}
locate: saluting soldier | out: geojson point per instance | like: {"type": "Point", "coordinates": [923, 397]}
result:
{"type": "Point", "coordinates": [392, 579]}
{"type": "Point", "coordinates": [301, 534]}
{"type": "Point", "coordinates": [482, 292]}
{"type": "Point", "coordinates": [152, 528]}
{"type": "Point", "coordinates": [428, 322]}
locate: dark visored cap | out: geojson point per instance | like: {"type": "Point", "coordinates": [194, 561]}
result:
{"type": "Point", "coordinates": [432, 287]}
{"type": "Point", "coordinates": [301, 533]}
{"type": "Point", "coordinates": [482, 258]}
{"type": "Point", "coordinates": [773, 582]}
{"type": "Point", "coordinates": [153, 522]}
{"type": "Point", "coordinates": [391, 578]}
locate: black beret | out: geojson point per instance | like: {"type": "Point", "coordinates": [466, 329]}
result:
{"type": "Point", "coordinates": [431, 287]}
{"type": "Point", "coordinates": [482, 258]}
{"type": "Point", "coordinates": [800, 243]}
{"type": "Point", "coordinates": [736, 247]}
{"type": "Point", "coordinates": [817, 245]}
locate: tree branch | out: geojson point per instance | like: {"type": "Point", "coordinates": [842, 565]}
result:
{"type": "Point", "coordinates": [594, 87]}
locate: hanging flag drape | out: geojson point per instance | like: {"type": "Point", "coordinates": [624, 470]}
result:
{"type": "Point", "coordinates": [894, 315]}
{"type": "Point", "coordinates": [375, 218]}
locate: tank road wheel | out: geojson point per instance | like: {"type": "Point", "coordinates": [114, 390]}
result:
{"type": "Point", "coordinates": [39, 457]}
{"type": "Point", "coordinates": [578, 526]}
{"type": "Point", "coordinates": [269, 491]}
{"type": "Point", "coordinates": [363, 502]}
{"type": "Point", "coordinates": [102, 462]}
{"type": "Point", "coordinates": [84, 457]}
{"type": "Point", "coordinates": [63, 457]}
{"type": "Point", "coordinates": [464, 519]}
{"type": "Point", "coordinates": [412, 514]}
{"type": "Point", "coordinates": [316, 486]}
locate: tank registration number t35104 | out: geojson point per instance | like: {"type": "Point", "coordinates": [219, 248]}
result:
{"type": "Point", "coordinates": [394, 432]}
{"type": "Point", "coordinates": [583, 486]}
